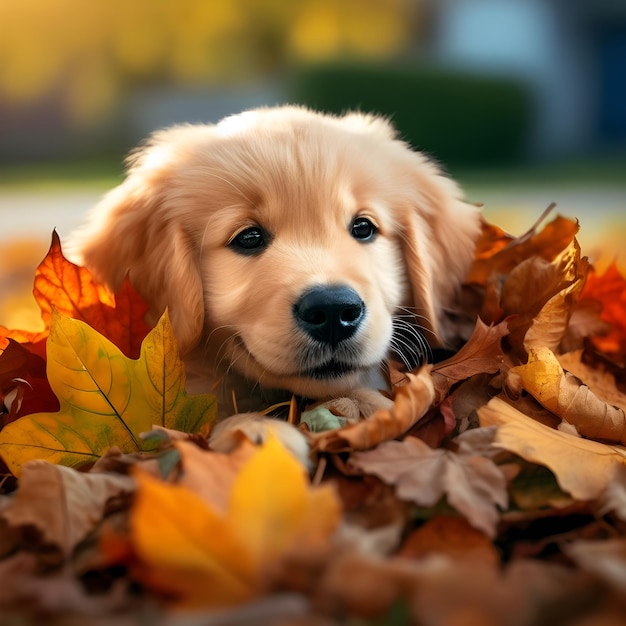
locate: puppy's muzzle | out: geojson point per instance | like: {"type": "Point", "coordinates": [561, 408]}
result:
{"type": "Point", "coordinates": [329, 313]}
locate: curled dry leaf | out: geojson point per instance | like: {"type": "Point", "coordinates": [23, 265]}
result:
{"type": "Point", "coordinates": [567, 397]}
{"type": "Point", "coordinates": [481, 354]}
{"type": "Point", "coordinates": [540, 294]}
{"type": "Point", "coordinates": [499, 253]}
{"type": "Point", "coordinates": [62, 504]}
{"type": "Point", "coordinates": [549, 326]}
{"type": "Point", "coordinates": [472, 484]}
{"type": "Point", "coordinates": [411, 402]}
{"type": "Point", "coordinates": [582, 467]}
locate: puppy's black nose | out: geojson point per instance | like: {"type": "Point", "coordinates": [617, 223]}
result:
{"type": "Point", "coordinates": [329, 314]}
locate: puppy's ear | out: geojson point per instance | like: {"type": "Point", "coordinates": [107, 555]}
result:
{"type": "Point", "coordinates": [438, 235]}
{"type": "Point", "coordinates": [133, 232]}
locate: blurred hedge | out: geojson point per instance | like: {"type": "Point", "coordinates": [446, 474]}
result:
{"type": "Point", "coordinates": [459, 119]}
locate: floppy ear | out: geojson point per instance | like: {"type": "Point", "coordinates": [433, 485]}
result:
{"type": "Point", "coordinates": [438, 232]}
{"type": "Point", "coordinates": [133, 232]}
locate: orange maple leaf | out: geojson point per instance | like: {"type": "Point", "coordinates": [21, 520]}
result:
{"type": "Point", "coordinates": [609, 289]}
{"type": "Point", "coordinates": [73, 291]}
{"type": "Point", "coordinates": [203, 550]}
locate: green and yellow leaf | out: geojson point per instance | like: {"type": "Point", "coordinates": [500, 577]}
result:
{"type": "Point", "coordinates": [106, 399]}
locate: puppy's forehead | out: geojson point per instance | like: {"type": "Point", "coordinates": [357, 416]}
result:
{"type": "Point", "coordinates": [291, 175]}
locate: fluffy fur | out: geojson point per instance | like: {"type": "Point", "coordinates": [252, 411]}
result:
{"type": "Point", "coordinates": [301, 179]}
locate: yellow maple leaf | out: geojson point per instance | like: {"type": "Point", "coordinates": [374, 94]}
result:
{"type": "Point", "coordinates": [106, 399]}
{"type": "Point", "coordinates": [190, 549]}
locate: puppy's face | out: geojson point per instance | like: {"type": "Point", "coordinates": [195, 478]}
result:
{"type": "Point", "coordinates": [301, 268]}
{"type": "Point", "coordinates": [285, 242]}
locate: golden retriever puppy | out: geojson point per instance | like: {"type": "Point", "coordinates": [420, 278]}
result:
{"type": "Point", "coordinates": [294, 250]}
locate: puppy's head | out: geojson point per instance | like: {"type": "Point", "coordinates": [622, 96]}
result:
{"type": "Point", "coordinates": [284, 242]}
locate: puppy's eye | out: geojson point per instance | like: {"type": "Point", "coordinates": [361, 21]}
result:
{"type": "Point", "coordinates": [363, 229]}
{"type": "Point", "coordinates": [249, 241]}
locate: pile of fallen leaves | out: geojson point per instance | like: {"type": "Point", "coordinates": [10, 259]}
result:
{"type": "Point", "coordinates": [493, 491]}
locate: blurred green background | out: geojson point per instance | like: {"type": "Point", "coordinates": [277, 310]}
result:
{"type": "Point", "coordinates": [523, 101]}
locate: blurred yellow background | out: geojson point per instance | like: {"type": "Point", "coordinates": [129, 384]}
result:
{"type": "Point", "coordinates": [523, 101]}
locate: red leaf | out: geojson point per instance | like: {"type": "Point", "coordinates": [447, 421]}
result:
{"type": "Point", "coordinates": [73, 291]}
{"type": "Point", "coordinates": [23, 383]}
{"type": "Point", "coordinates": [610, 290]}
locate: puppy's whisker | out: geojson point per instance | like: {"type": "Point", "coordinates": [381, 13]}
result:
{"type": "Point", "coordinates": [411, 312]}
{"type": "Point", "coordinates": [409, 343]}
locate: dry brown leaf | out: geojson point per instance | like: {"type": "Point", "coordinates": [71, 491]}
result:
{"type": "Point", "coordinates": [481, 354]}
{"type": "Point", "coordinates": [411, 402]}
{"type": "Point", "coordinates": [525, 593]}
{"type": "Point", "coordinates": [597, 415]}
{"type": "Point", "coordinates": [498, 253]}
{"type": "Point", "coordinates": [614, 499]}
{"type": "Point", "coordinates": [450, 536]}
{"type": "Point", "coordinates": [54, 595]}
{"type": "Point", "coordinates": [600, 381]}
{"type": "Point", "coordinates": [605, 559]}
{"type": "Point", "coordinates": [62, 504]}
{"type": "Point", "coordinates": [472, 484]}
{"type": "Point", "coordinates": [540, 295]}
{"type": "Point", "coordinates": [582, 467]}
{"type": "Point", "coordinates": [441, 591]}
{"type": "Point", "coordinates": [550, 325]}
{"type": "Point", "coordinates": [355, 584]}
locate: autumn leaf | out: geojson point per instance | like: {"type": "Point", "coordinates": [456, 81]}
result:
{"type": "Point", "coordinates": [605, 559]}
{"type": "Point", "coordinates": [539, 296]}
{"type": "Point", "coordinates": [481, 354]}
{"type": "Point", "coordinates": [614, 499]}
{"type": "Point", "coordinates": [609, 290]}
{"type": "Point", "coordinates": [198, 553]}
{"type": "Point", "coordinates": [211, 475]}
{"type": "Point", "coordinates": [472, 484]}
{"type": "Point", "coordinates": [106, 399]}
{"type": "Point", "coordinates": [582, 467]}
{"type": "Point", "coordinates": [24, 387]}
{"type": "Point", "coordinates": [564, 394]}
{"type": "Point", "coordinates": [71, 290]}
{"type": "Point", "coordinates": [411, 402]}
{"type": "Point", "coordinates": [498, 253]}
{"type": "Point", "coordinates": [450, 536]}
{"type": "Point", "coordinates": [62, 504]}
